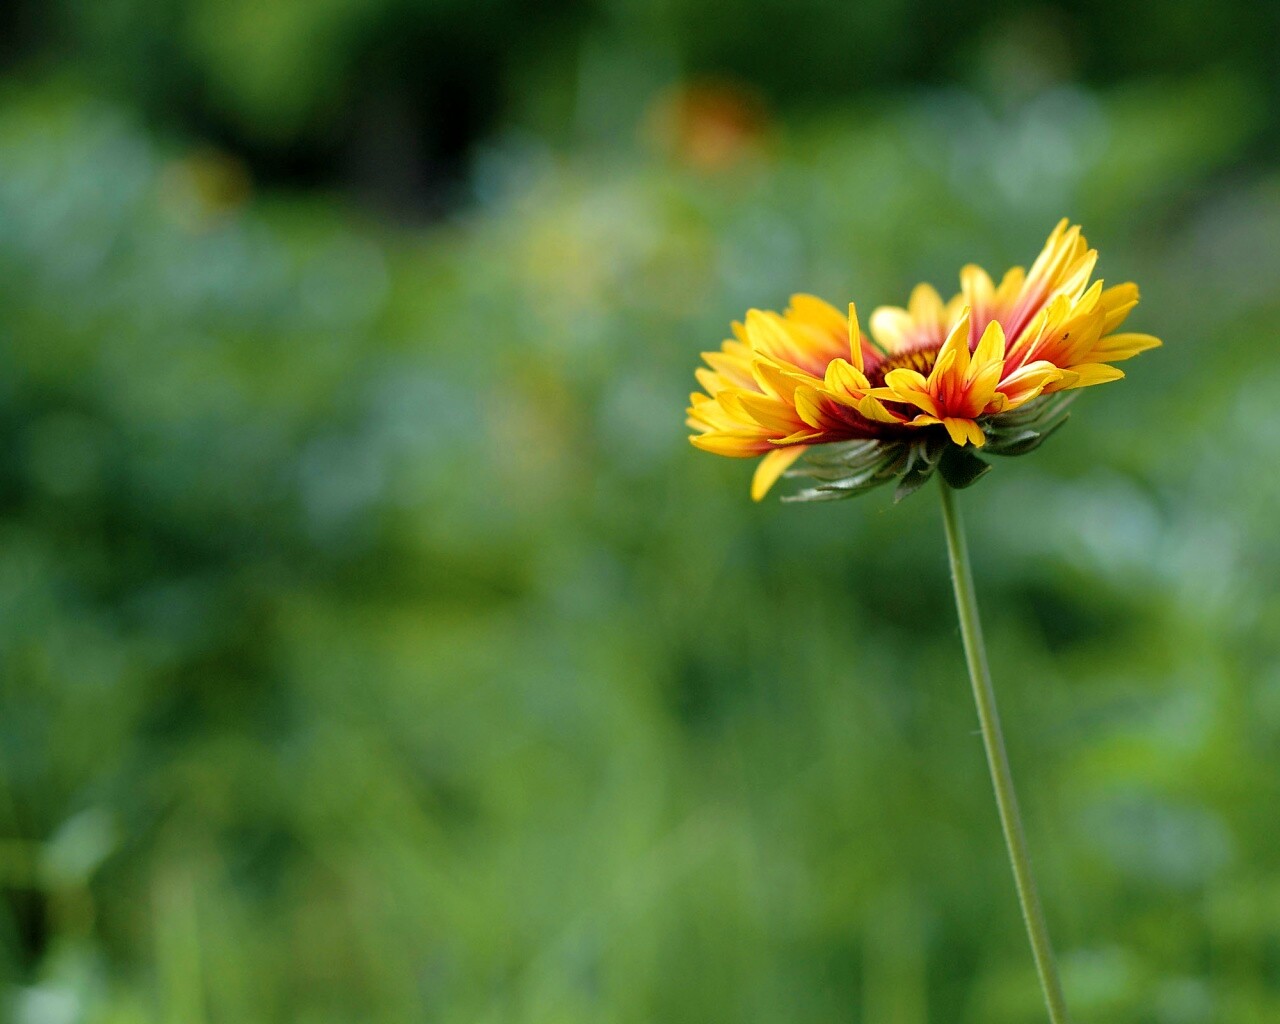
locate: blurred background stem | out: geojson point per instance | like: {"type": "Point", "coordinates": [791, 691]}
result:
{"type": "Point", "coordinates": [998, 758]}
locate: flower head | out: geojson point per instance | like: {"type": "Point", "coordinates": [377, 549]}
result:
{"type": "Point", "coordinates": [931, 383]}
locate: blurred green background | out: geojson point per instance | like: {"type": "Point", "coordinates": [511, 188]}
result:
{"type": "Point", "coordinates": [375, 648]}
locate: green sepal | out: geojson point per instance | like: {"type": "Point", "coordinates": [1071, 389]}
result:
{"type": "Point", "coordinates": [1024, 441]}
{"type": "Point", "coordinates": [961, 468]}
{"type": "Point", "coordinates": [864, 468]}
{"type": "Point", "coordinates": [845, 453]}
{"type": "Point", "coordinates": [1037, 412]}
{"type": "Point", "coordinates": [921, 464]}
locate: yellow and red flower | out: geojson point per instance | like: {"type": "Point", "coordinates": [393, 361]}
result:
{"type": "Point", "coordinates": [930, 381]}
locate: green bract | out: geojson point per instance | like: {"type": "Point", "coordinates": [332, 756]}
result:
{"type": "Point", "coordinates": [847, 469]}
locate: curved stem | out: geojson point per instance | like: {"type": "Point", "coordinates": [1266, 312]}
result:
{"type": "Point", "coordinates": [998, 758]}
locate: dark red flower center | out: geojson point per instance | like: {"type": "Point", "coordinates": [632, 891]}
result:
{"type": "Point", "coordinates": [919, 356]}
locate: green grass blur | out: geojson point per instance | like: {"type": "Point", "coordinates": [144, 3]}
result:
{"type": "Point", "coordinates": [375, 648]}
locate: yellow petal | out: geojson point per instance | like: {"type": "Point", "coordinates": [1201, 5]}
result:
{"type": "Point", "coordinates": [809, 408]}
{"type": "Point", "coordinates": [768, 335]}
{"type": "Point", "coordinates": [821, 314]}
{"type": "Point", "coordinates": [1076, 275]}
{"type": "Point", "coordinates": [1118, 301]}
{"type": "Point", "coordinates": [731, 445]}
{"type": "Point", "coordinates": [954, 308]}
{"type": "Point", "coordinates": [773, 379]}
{"type": "Point", "coordinates": [991, 348]}
{"type": "Point", "coordinates": [1086, 331]}
{"type": "Point", "coordinates": [1089, 301]}
{"type": "Point", "coordinates": [730, 400]}
{"type": "Point", "coordinates": [964, 431]}
{"type": "Point", "coordinates": [909, 386]}
{"type": "Point", "coordinates": [1063, 247]}
{"type": "Point", "coordinates": [925, 304]}
{"type": "Point", "coordinates": [1051, 248]}
{"type": "Point", "coordinates": [775, 416]}
{"type": "Point", "coordinates": [946, 383]}
{"type": "Point", "coordinates": [855, 340]}
{"type": "Point", "coordinates": [773, 466]}
{"type": "Point", "coordinates": [799, 437]}
{"type": "Point", "coordinates": [958, 429]}
{"type": "Point", "coordinates": [1010, 287]}
{"type": "Point", "coordinates": [904, 379]}
{"type": "Point", "coordinates": [891, 327]}
{"type": "Point", "coordinates": [734, 370]}
{"type": "Point", "coordinates": [711, 382]}
{"type": "Point", "coordinates": [977, 288]}
{"type": "Point", "coordinates": [1117, 347]}
{"type": "Point", "coordinates": [1064, 383]}
{"type": "Point", "coordinates": [954, 351]}
{"type": "Point", "coordinates": [844, 381]}
{"type": "Point", "coordinates": [873, 409]}
{"type": "Point", "coordinates": [982, 388]}
{"type": "Point", "coordinates": [703, 424]}
{"type": "Point", "coordinates": [1025, 384]}
{"type": "Point", "coordinates": [1089, 374]}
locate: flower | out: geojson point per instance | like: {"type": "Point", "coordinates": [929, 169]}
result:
{"type": "Point", "coordinates": [933, 382]}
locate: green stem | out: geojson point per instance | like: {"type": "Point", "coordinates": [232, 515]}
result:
{"type": "Point", "coordinates": [998, 759]}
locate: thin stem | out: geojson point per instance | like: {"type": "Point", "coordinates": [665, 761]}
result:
{"type": "Point", "coordinates": [998, 758]}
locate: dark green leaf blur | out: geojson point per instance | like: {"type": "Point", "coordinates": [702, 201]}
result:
{"type": "Point", "coordinates": [374, 647]}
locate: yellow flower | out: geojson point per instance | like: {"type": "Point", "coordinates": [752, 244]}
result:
{"type": "Point", "coordinates": [931, 379]}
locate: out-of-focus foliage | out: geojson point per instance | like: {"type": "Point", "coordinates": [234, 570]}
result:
{"type": "Point", "coordinates": [389, 95]}
{"type": "Point", "coordinates": [375, 648]}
